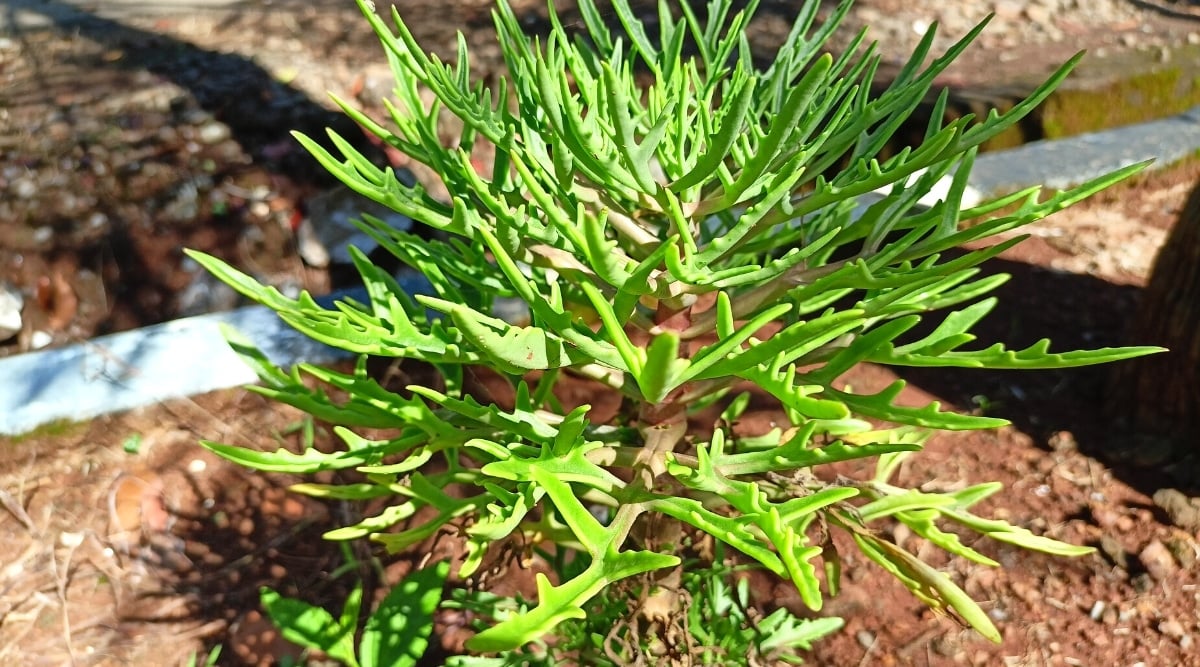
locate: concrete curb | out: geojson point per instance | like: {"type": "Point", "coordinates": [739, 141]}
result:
{"type": "Point", "coordinates": [188, 356]}
{"type": "Point", "coordinates": [135, 368]}
{"type": "Point", "coordinates": [1064, 163]}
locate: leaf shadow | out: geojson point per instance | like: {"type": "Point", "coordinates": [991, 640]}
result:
{"type": "Point", "coordinates": [1075, 312]}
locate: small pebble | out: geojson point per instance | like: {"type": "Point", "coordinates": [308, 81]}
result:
{"type": "Point", "coordinates": [865, 639]}
{"type": "Point", "coordinates": [11, 303]}
{"type": "Point", "coordinates": [1104, 516]}
{"type": "Point", "coordinates": [1110, 617]}
{"type": "Point", "coordinates": [39, 340]}
{"type": "Point", "coordinates": [1158, 561]}
{"type": "Point", "coordinates": [1172, 628]}
{"type": "Point", "coordinates": [24, 188]}
{"type": "Point", "coordinates": [245, 526]}
{"type": "Point", "coordinates": [1026, 592]}
{"type": "Point", "coordinates": [195, 117]}
{"type": "Point", "coordinates": [213, 132]}
{"type": "Point", "coordinates": [1038, 14]}
{"type": "Point", "coordinates": [1184, 551]}
{"type": "Point", "coordinates": [1063, 441]}
{"type": "Point", "coordinates": [292, 508]}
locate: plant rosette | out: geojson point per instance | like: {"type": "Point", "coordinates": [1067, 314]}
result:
{"type": "Point", "coordinates": [660, 204]}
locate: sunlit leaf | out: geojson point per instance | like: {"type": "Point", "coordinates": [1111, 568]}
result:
{"type": "Point", "coordinates": [397, 632]}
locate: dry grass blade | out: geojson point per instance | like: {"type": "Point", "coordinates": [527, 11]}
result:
{"type": "Point", "coordinates": [17, 511]}
{"type": "Point", "coordinates": [62, 580]}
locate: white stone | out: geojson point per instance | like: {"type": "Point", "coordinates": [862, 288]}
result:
{"type": "Point", "coordinates": [214, 132]}
{"type": "Point", "coordinates": [11, 304]}
{"type": "Point", "coordinates": [24, 188]}
{"type": "Point", "coordinates": [39, 340]}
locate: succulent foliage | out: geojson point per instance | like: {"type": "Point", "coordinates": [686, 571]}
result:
{"type": "Point", "coordinates": [678, 222]}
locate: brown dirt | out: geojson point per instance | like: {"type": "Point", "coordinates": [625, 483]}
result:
{"type": "Point", "coordinates": [121, 532]}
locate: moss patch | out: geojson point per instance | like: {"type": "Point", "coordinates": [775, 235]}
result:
{"type": "Point", "coordinates": [1130, 88]}
{"type": "Point", "coordinates": [54, 429]}
{"type": "Point", "coordinates": [1104, 92]}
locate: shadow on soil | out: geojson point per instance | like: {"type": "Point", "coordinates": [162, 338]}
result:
{"type": "Point", "coordinates": [259, 110]}
{"type": "Point", "coordinates": [1075, 312]}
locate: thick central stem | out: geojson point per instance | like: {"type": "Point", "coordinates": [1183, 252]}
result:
{"type": "Point", "coordinates": [664, 424]}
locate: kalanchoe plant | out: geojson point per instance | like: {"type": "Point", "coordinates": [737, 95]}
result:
{"type": "Point", "coordinates": [670, 241]}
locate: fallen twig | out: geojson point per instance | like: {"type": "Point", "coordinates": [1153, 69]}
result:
{"type": "Point", "coordinates": [17, 511]}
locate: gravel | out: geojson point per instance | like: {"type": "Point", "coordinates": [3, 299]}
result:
{"type": "Point", "coordinates": [1028, 23]}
